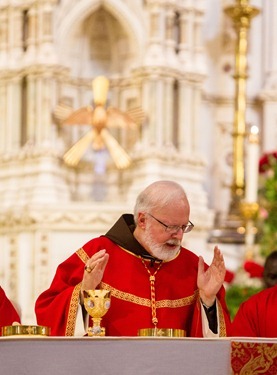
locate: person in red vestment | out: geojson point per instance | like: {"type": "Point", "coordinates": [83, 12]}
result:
{"type": "Point", "coordinates": [8, 313]}
{"type": "Point", "coordinates": [154, 281]}
{"type": "Point", "coordinates": [270, 270]}
{"type": "Point", "coordinates": [256, 317]}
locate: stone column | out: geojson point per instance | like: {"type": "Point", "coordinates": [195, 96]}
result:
{"type": "Point", "coordinates": [39, 119]}
{"type": "Point", "coordinates": [45, 32]}
{"type": "Point", "coordinates": [3, 113]}
{"type": "Point", "coordinates": [46, 116]}
{"type": "Point", "coordinates": [168, 115]}
{"type": "Point", "coordinates": [32, 30]}
{"type": "Point", "coordinates": [185, 117]}
{"type": "Point", "coordinates": [16, 38]}
{"type": "Point", "coordinates": [31, 94]}
{"type": "Point", "coordinates": [268, 94]}
{"type": "Point", "coordinates": [10, 113]}
{"type": "Point", "coordinates": [13, 109]}
{"type": "Point", "coordinates": [155, 49]}
{"type": "Point", "coordinates": [3, 37]}
{"type": "Point", "coordinates": [195, 126]}
{"type": "Point", "coordinates": [198, 43]}
{"type": "Point", "coordinates": [170, 41]}
{"type": "Point", "coordinates": [186, 38]}
{"type": "Point", "coordinates": [269, 42]}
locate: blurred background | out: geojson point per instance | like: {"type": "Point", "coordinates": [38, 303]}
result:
{"type": "Point", "coordinates": [99, 98]}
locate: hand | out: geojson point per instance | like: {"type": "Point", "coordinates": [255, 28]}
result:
{"type": "Point", "coordinates": [210, 281]}
{"type": "Point", "coordinates": [97, 264]}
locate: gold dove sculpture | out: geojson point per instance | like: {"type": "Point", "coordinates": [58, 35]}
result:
{"type": "Point", "coordinates": [101, 119]}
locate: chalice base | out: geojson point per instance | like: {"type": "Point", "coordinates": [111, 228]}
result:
{"type": "Point", "coordinates": [96, 331]}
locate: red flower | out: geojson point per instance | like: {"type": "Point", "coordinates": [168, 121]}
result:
{"type": "Point", "coordinates": [264, 162]}
{"type": "Point", "coordinates": [229, 276]}
{"type": "Point", "coordinates": [254, 269]}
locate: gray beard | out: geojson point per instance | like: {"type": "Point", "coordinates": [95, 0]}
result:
{"type": "Point", "coordinates": [161, 251]}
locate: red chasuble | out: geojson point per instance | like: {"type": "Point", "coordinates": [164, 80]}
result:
{"type": "Point", "coordinates": [8, 313]}
{"type": "Point", "coordinates": [176, 293]}
{"type": "Point", "coordinates": [256, 317]}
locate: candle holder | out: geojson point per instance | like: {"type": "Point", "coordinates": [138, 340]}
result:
{"type": "Point", "coordinates": [241, 14]}
{"type": "Point", "coordinates": [249, 211]}
{"type": "Point", "coordinates": [231, 229]}
{"type": "Point", "coordinates": [252, 166]}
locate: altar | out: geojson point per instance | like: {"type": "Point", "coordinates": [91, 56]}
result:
{"type": "Point", "coordinates": [26, 355]}
{"type": "Point", "coordinates": [114, 356]}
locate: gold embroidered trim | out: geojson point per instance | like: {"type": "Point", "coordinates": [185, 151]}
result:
{"type": "Point", "coordinates": [73, 306]}
{"type": "Point", "coordinates": [177, 303]}
{"type": "Point", "coordinates": [174, 303]}
{"type": "Point", "coordinates": [82, 254]}
{"type": "Point", "coordinates": [147, 302]}
{"type": "Point", "coordinates": [74, 302]}
{"type": "Point", "coordinates": [126, 296]}
{"type": "Point", "coordinates": [222, 325]}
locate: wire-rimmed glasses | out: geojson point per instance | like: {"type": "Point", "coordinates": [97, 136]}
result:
{"type": "Point", "coordinates": [175, 228]}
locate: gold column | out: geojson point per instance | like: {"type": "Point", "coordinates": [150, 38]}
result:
{"type": "Point", "coordinates": [241, 14]}
{"type": "Point", "coordinates": [233, 228]}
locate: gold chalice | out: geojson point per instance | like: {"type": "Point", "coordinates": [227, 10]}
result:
{"type": "Point", "coordinates": [97, 302]}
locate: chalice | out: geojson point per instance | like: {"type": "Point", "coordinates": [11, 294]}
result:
{"type": "Point", "coordinates": [97, 302]}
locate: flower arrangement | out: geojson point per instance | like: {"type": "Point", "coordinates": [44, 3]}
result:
{"type": "Point", "coordinates": [248, 281]}
{"type": "Point", "coordinates": [267, 220]}
{"type": "Point", "coordinates": [250, 275]}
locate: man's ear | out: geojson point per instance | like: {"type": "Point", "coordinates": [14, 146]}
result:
{"type": "Point", "coordinates": [141, 220]}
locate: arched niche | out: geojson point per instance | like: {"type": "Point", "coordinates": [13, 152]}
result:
{"type": "Point", "coordinates": [96, 37]}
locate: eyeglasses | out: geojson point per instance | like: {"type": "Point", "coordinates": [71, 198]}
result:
{"type": "Point", "coordinates": [175, 228]}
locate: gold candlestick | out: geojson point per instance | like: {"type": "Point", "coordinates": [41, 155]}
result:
{"type": "Point", "coordinates": [241, 14]}
{"type": "Point", "coordinates": [249, 212]}
{"type": "Point", "coordinates": [232, 230]}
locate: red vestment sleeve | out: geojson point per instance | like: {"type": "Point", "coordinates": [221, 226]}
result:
{"type": "Point", "coordinates": [8, 313]}
{"type": "Point", "coordinates": [224, 322]}
{"type": "Point", "coordinates": [57, 306]}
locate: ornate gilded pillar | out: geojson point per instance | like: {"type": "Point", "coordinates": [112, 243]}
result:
{"type": "Point", "coordinates": [241, 14]}
{"type": "Point", "coordinates": [233, 228]}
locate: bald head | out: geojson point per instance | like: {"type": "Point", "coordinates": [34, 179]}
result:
{"type": "Point", "coordinates": [158, 195]}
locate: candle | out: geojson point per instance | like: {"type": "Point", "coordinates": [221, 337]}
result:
{"type": "Point", "coordinates": [252, 166]}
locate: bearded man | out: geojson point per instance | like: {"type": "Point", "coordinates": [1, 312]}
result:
{"type": "Point", "coordinates": [154, 282]}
